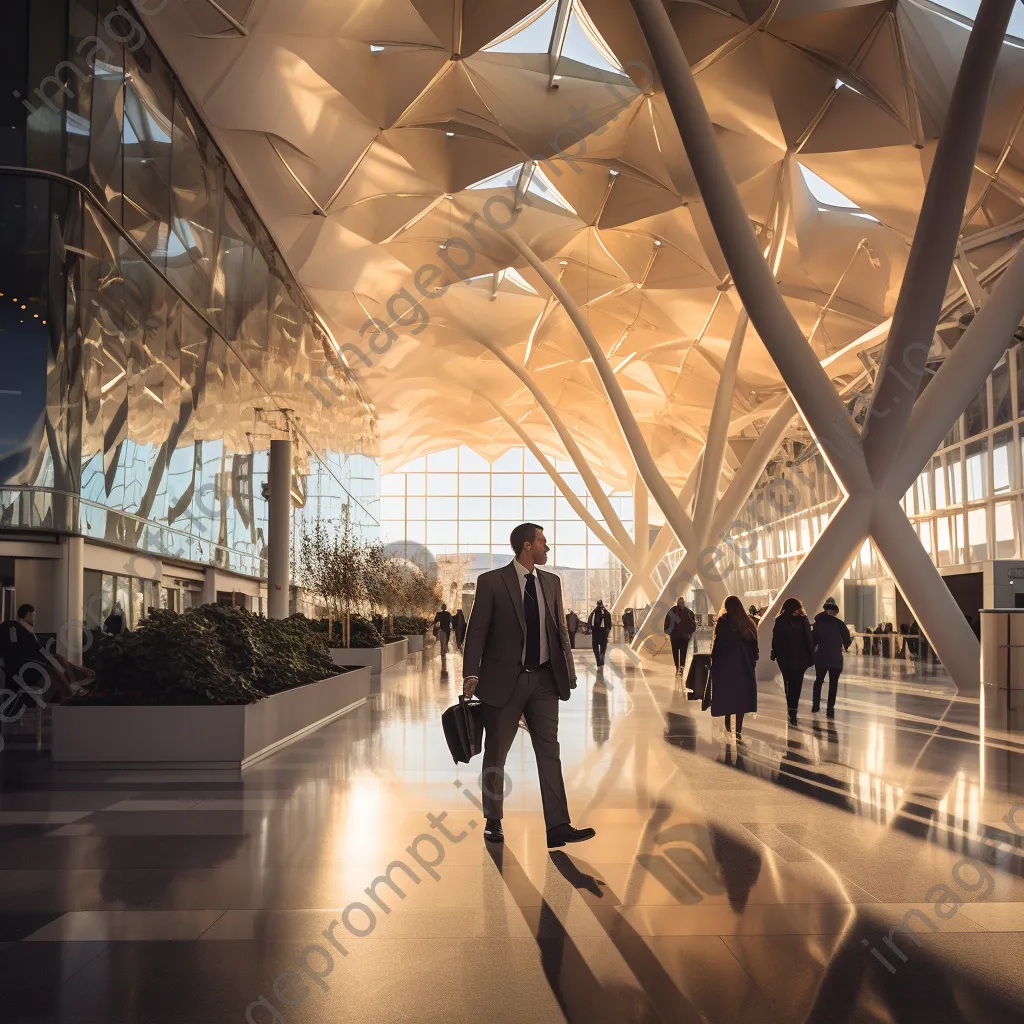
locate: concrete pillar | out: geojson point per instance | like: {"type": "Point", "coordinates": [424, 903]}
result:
{"type": "Point", "coordinates": [210, 585]}
{"type": "Point", "coordinates": [71, 598]}
{"type": "Point", "coordinates": [279, 529]}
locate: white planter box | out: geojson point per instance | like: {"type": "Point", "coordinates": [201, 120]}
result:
{"type": "Point", "coordinates": [379, 659]}
{"type": "Point", "coordinates": [201, 736]}
{"type": "Point", "coordinates": [415, 642]}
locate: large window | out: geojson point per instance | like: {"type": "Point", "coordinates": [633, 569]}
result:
{"type": "Point", "coordinates": [456, 503]}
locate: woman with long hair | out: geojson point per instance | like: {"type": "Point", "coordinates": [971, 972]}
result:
{"type": "Point", "coordinates": [792, 650]}
{"type": "Point", "coordinates": [733, 657]}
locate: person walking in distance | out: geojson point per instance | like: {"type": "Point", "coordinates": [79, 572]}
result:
{"type": "Point", "coordinates": [733, 661]}
{"type": "Point", "coordinates": [792, 650]}
{"type": "Point", "coordinates": [443, 632]}
{"type": "Point", "coordinates": [572, 624]}
{"type": "Point", "coordinates": [680, 624]}
{"type": "Point", "coordinates": [629, 625]}
{"type": "Point", "coordinates": [519, 663]}
{"type": "Point", "coordinates": [459, 627]}
{"type": "Point", "coordinates": [600, 623]}
{"type": "Point", "coordinates": [831, 639]}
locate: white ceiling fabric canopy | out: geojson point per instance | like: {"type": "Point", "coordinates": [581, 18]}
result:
{"type": "Point", "coordinates": [385, 143]}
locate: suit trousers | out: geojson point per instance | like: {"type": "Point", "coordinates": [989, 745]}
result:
{"type": "Point", "coordinates": [833, 684]}
{"type": "Point", "coordinates": [599, 641]}
{"type": "Point", "coordinates": [680, 645]}
{"type": "Point", "coordinates": [534, 698]}
{"type": "Point", "coordinates": [794, 680]}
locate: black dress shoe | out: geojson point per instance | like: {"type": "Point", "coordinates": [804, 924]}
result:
{"type": "Point", "coordinates": [562, 834]}
{"type": "Point", "coordinates": [815, 708]}
{"type": "Point", "coordinates": [831, 712]}
{"type": "Point", "coordinates": [493, 832]}
{"type": "Point", "coordinates": [792, 718]}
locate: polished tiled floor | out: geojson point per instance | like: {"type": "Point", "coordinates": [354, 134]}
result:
{"type": "Point", "coordinates": [754, 884]}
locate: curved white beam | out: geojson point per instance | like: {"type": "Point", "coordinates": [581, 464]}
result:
{"type": "Point", "coordinates": [646, 467]}
{"type": "Point", "coordinates": [827, 417]}
{"type": "Point", "coordinates": [572, 449]}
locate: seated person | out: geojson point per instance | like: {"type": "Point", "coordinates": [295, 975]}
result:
{"type": "Point", "coordinates": [29, 664]}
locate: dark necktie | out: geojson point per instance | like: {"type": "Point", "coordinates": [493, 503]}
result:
{"type": "Point", "coordinates": [532, 611]}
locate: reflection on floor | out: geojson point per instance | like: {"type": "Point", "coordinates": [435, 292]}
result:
{"type": "Point", "coordinates": [859, 870]}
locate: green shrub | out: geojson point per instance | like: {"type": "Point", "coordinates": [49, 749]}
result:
{"type": "Point", "coordinates": [410, 625]}
{"type": "Point", "coordinates": [208, 655]}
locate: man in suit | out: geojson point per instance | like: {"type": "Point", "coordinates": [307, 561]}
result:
{"type": "Point", "coordinates": [519, 663]}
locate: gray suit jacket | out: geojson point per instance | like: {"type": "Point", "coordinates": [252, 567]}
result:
{"type": "Point", "coordinates": [497, 632]}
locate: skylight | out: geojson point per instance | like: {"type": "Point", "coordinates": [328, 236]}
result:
{"type": "Point", "coordinates": [583, 43]}
{"type": "Point", "coordinates": [538, 183]}
{"type": "Point", "coordinates": [531, 35]}
{"type": "Point", "coordinates": [969, 9]}
{"type": "Point", "coordinates": [828, 196]}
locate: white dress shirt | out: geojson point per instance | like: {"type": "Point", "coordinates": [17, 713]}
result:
{"type": "Point", "coordinates": [523, 572]}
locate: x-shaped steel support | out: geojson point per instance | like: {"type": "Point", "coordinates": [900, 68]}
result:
{"type": "Point", "coordinates": [875, 468]}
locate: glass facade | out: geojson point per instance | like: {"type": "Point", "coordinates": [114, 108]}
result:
{"type": "Point", "coordinates": [456, 503]}
{"type": "Point", "coordinates": [152, 338]}
{"type": "Point", "coordinates": [966, 505]}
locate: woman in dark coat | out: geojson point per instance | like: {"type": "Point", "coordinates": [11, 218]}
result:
{"type": "Point", "coordinates": [733, 657]}
{"type": "Point", "coordinates": [459, 627]}
{"type": "Point", "coordinates": [792, 650]}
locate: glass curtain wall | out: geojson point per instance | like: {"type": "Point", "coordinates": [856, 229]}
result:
{"type": "Point", "coordinates": [156, 340]}
{"type": "Point", "coordinates": [456, 503]}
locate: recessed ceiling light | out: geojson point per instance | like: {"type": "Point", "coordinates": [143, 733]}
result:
{"type": "Point", "coordinates": [451, 135]}
{"type": "Point", "coordinates": [563, 263]}
{"type": "Point", "coordinates": [375, 48]}
{"type": "Point", "coordinates": [443, 246]}
{"type": "Point", "coordinates": [613, 174]}
{"type": "Point", "coordinates": [556, 78]}
{"type": "Point", "coordinates": [658, 243]}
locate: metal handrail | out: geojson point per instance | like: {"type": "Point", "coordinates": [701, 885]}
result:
{"type": "Point", "coordinates": [35, 172]}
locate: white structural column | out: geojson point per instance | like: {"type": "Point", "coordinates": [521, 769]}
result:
{"type": "Point", "coordinates": [661, 546]}
{"type": "Point", "coordinates": [948, 631]}
{"type": "Point", "coordinates": [935, 242]}
{"type": "Point", "coordinates": [718, 435]}
{"type": "Point", "coordinates": [624, 555]}
{"type": "Point", "coordinates": [717, 551]}
{"type": "Point", "coordinates": [807, 381]}
{"type": "Point", "coordinates": [71, 598]}
{"type": "Point", "coordinates": [645, 464]}
{"type": "Point", "coordinates": [871, 508]}
{"type": "Point", "coordinates": [572, 449]}
{"type": "Point", "coordinates": [641, 528]}
{"type": "Point", "coordinates": [279, 529]}
{"type": "Point", "coordinates": [961, 376]}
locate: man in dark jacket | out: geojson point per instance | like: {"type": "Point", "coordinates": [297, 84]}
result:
{"type": "Point", "coordinates": [600, 623]}
{"type": "Point", "coordinates": [831, 639]}
{"type": "Point", "coordinates": [443, 632]}
{"type": "Point", "coordinates": [680, 625]}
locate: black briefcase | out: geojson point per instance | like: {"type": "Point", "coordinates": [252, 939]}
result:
{"type": "Point", "coordinates": [463, 729]}
{"type": "Point", "coordinates": [698, 675]}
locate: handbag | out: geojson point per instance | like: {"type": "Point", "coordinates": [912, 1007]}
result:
{"type": "Point", "coordinates": [463, 729]}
